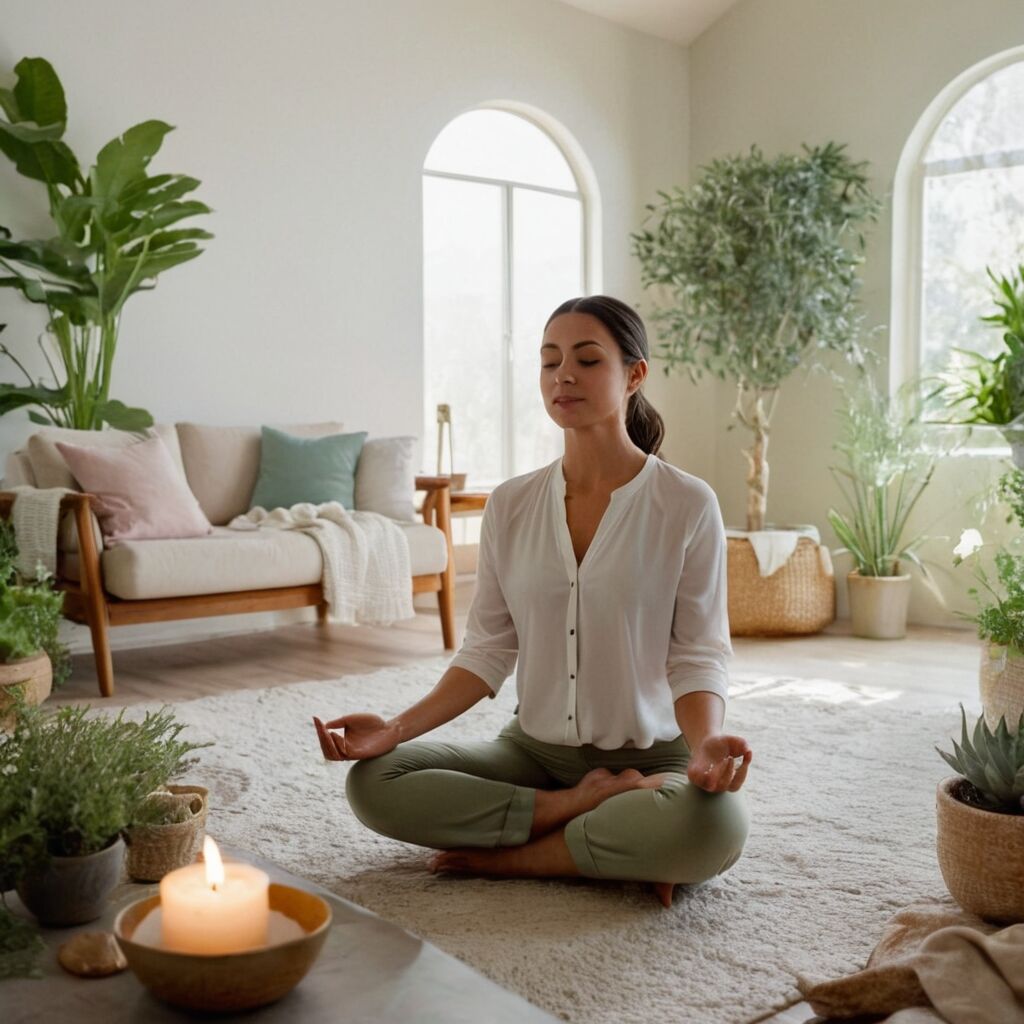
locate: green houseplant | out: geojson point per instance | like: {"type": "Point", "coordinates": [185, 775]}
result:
{"type": "Point", "coordinates": [32, 657]}
{"type": "Point", "coordinates": [987, 391]}
{"type": "Point", "coordinates": [759, 260]}
{"type": "Point", "coordinates": [980, 817]}
{"type": "Point", "coordinates": [1000, 615]}
{"type": "Point", "coordinates": [71, 783]}
{"type": "Point", "coordinates": [114, 235]}
{"type": "Point", "coordinates": [885, 469]}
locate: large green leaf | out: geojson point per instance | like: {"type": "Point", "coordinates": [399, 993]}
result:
{"type": "Point", "coordinates": [38, 92]}
{"type": "Point", "coordinates": [162, 217]}
{"type": "Point", "coordinates": [124, 159]}
{"type": "Point", "coordinates": [162, 239]}
{"type": "Point", "coordinates": [123, 417]}
{"type": "Point", "coordinates": [13, 396]}
{"type": "Point", "coordinates": [51, 162]}
{"type": "Point", "coordinates": [30, 132]}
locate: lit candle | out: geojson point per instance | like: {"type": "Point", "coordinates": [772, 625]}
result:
{"type": "Point", "coordinates": [213, 907]}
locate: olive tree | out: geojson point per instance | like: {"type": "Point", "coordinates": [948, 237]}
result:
{"type": "Point", "coordinates": [759, 262]}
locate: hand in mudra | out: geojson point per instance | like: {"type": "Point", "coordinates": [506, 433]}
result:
{"type": "Point", "coordinates": [363, 736]}
{"type": "Point", "coordinates": [720, 763]}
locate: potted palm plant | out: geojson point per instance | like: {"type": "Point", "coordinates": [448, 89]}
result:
{"type": "Point", "coordinates": [32, 657]}
{"type": "Point", "coordinates": [114, 234]}
{"type": "Point", "coordinates": [979, 390]}
{"type": "Point", "coordinates": [980, 818]}
{"type": "Point", "coordinates": [886, 468]}
{"type": "Point", "coordinates": [759, 262]}
{"type": "Point", "coordinates": [71, 784]}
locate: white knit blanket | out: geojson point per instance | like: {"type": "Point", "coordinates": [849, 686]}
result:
{"type": "Point", "coordinates": [36, 519]}
{"type": "Point", "coordinates": [774, 547]}
{"type": "Point", "coordinates": [367, 574]}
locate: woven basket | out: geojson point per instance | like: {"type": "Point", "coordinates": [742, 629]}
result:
{"type": "Point", "coordinates": [796, 599]}
{"type": "Point", "coordinates": [154, 850]}
{"type": "Point", "coordinates": [981, 856]}
{"type": "Point", "coordinates": [1001, 682]}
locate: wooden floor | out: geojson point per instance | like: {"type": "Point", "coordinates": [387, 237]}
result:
{"type": "Point", "coordinates": [930, 667]}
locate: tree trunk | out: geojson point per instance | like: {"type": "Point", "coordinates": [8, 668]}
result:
{"type": "Point", "coordinates": [751, 412]}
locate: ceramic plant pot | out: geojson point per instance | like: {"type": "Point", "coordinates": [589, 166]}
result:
{"type": "Point", "coordinates": [878, 605]}
{"type": "Point", "coordinates": [73, 890]}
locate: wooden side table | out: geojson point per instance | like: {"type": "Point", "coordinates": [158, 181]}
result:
{"type": "Point", "coordinates": [461, 501]}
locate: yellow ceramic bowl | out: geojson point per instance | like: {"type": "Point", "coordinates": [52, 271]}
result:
{"type": "Point", "coordinates": [235, 981]}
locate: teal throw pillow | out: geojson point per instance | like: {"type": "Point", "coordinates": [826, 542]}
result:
{"type": "Point", "coordinates": [314, 469]}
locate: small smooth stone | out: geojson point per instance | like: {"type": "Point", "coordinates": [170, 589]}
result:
{"type": "Point", "coordinates": [92, 955]}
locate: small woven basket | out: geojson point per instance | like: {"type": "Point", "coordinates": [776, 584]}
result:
{"type": "Point", "coordinates": [981, 855]}
{"type": "Point", "coordinates": [154, 850]}
{"type": "Point", "coordinates": [797, 599]}
{"type": "Point", "coordinates": [1001, 682]}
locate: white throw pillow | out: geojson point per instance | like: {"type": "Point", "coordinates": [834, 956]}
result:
{"type": "Point", "coordinates": [386, 478]}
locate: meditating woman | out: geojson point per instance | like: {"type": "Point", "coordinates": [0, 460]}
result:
{"type": "Point", "coordinates": [603, 575]}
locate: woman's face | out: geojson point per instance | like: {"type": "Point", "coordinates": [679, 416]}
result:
{"type": "Point", "coordinates": [583, 377]}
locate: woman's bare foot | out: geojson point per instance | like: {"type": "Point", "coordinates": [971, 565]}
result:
{"type": "Point", "coordinates": [555, 807]}
{"type": "Point", "coordinates": [547, 857]}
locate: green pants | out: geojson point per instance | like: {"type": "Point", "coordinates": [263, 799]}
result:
{"type": "Point", "coordinates": [482, 794]}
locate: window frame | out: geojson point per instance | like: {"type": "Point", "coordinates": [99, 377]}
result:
{"type": "Point", "coordinates": [590, 251]}
{"type": "Point", "coordinates": [907, 238]}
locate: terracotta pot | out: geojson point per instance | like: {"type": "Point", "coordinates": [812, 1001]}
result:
{"type": "Point", "coordinates": [981, 855]}
{"type": "Point", "coordinates": [1001, 683]}
{"type": "Point", "coordinates": [73, 890]}
{"type": "Point", "coordinates": [31, 677]}
{"type": "Point", "coordinates": [878, 605]}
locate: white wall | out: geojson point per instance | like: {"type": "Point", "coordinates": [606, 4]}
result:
{"type": "Point", "coordinates": [308, 125]}
{"type": "Point", "coordinates": [792, 71]}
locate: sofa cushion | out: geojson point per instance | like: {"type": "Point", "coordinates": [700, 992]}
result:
{"type": "Point", "coordinates": [51, 470]}
{"type": "Point", "coordinates": [386, 478]}
{"type": "Point", "coordinates": [231, 560]}
{"type": "Point", "coordinates": [222, 464]}
{"type": "Point", "coordinates": [141, 494]}
{"type": "Point", "coordinates": [306, 469]}
{"type": "Point", "coordinates": [18, 471]}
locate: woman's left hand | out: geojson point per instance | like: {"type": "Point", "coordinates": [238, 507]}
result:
{"type": "Point", "coordinates": [720, 763]}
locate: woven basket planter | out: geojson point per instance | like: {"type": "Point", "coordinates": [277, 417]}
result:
{"type": "Point", "coordinates": [31, 679]}
{"type": "Point", "coordinates": [154, 850]}
{"type": "Point", "coordinates": [981, 855]}
{"type": "Point", "coordinates": [797, 599]}
{"type": "Point", "coordinates": [1001, 682]}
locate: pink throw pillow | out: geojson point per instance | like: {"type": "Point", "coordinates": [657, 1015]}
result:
{"type": "Point", "coordinates": [143, 495]}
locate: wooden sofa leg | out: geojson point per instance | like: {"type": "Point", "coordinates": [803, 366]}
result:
{"type": "Point", "coordinates": [446, 595]}
{"type": "Point", "coordinates": [95, 604]}
{"type": "Point", "coordinates": [321, 613]}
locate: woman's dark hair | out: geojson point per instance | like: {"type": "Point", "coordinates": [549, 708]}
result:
{"type": "Point", "coordinates": [645, 427]}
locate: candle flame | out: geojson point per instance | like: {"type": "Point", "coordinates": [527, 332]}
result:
{"type": "Point", "coordinates": [214, 864]}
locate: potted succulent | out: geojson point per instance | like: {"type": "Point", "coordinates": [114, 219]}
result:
{"type": "Point", "coordinates": [980, 835]}
{"type": "Point", "coordinates": [116, 229]}
{"type": "Point", "coordinates": [759, 262]}
{"type": "Point", "coordinates": [32, 657]}
{"type": "Point", "coordinates": [71, 785]}
{"type": "Point", "coordinates": [1000, 616]}
{"type": "Point", "coordinates": [981, 391]}
{"type": "Point", "coordinates": [886, 468]}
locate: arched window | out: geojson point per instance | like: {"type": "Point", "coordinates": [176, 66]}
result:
{"type": "Point", "coordinates": [504, 241]}
{"type": "Point", "coordinates": [958, 208]}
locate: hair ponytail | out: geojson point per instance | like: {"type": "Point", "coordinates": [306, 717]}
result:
{"type": "Point", "coordinates": [645, 427]}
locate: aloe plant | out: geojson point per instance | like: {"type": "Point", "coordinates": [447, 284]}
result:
{"type": "Point", "coordinates": [993, 762]}
{"type": "Point", "coordinates": [112, 240]}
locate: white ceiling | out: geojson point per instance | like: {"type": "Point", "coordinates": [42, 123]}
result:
{"type": "Point", "coordinates": [680, 21]}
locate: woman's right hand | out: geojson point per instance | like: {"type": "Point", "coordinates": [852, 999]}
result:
{"type": "Point", "coordinates": [362, 736]}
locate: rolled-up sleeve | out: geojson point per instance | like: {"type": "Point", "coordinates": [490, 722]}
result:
{"type": "Point", "coordinates": [491, 645]}
{"type": "Point", "coordinates": [700, 643]}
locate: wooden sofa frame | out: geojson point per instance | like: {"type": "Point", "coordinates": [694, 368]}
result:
{"type": "Point", "coordinates": [87, 601]}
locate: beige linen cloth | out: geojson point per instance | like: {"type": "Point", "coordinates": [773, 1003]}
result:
{"type": "Point", "coordinates": [935, 962]}
{"type": "Point", "coordinates": [36, 519]}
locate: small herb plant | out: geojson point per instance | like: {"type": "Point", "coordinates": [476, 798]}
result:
{"type": "Point", "coordinates": [992, 763]}
{"type": "Point", "coordinates": [30, 612]}
{"type": "Point", "coordinates": [71, 783]}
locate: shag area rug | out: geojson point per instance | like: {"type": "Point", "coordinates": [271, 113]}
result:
{"type": "Point", "coordinates": [842, 796]}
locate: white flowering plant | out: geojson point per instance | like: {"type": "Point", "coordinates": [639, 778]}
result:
{"type": "Point", "coordinates": [1000, 617]}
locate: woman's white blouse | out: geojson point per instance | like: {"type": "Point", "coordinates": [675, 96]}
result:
{"type": "Point", "coordinates": [604, 649]}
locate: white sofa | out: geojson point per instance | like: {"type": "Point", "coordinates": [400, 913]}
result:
{"type": "Point", "coordinates": [227, 571]}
